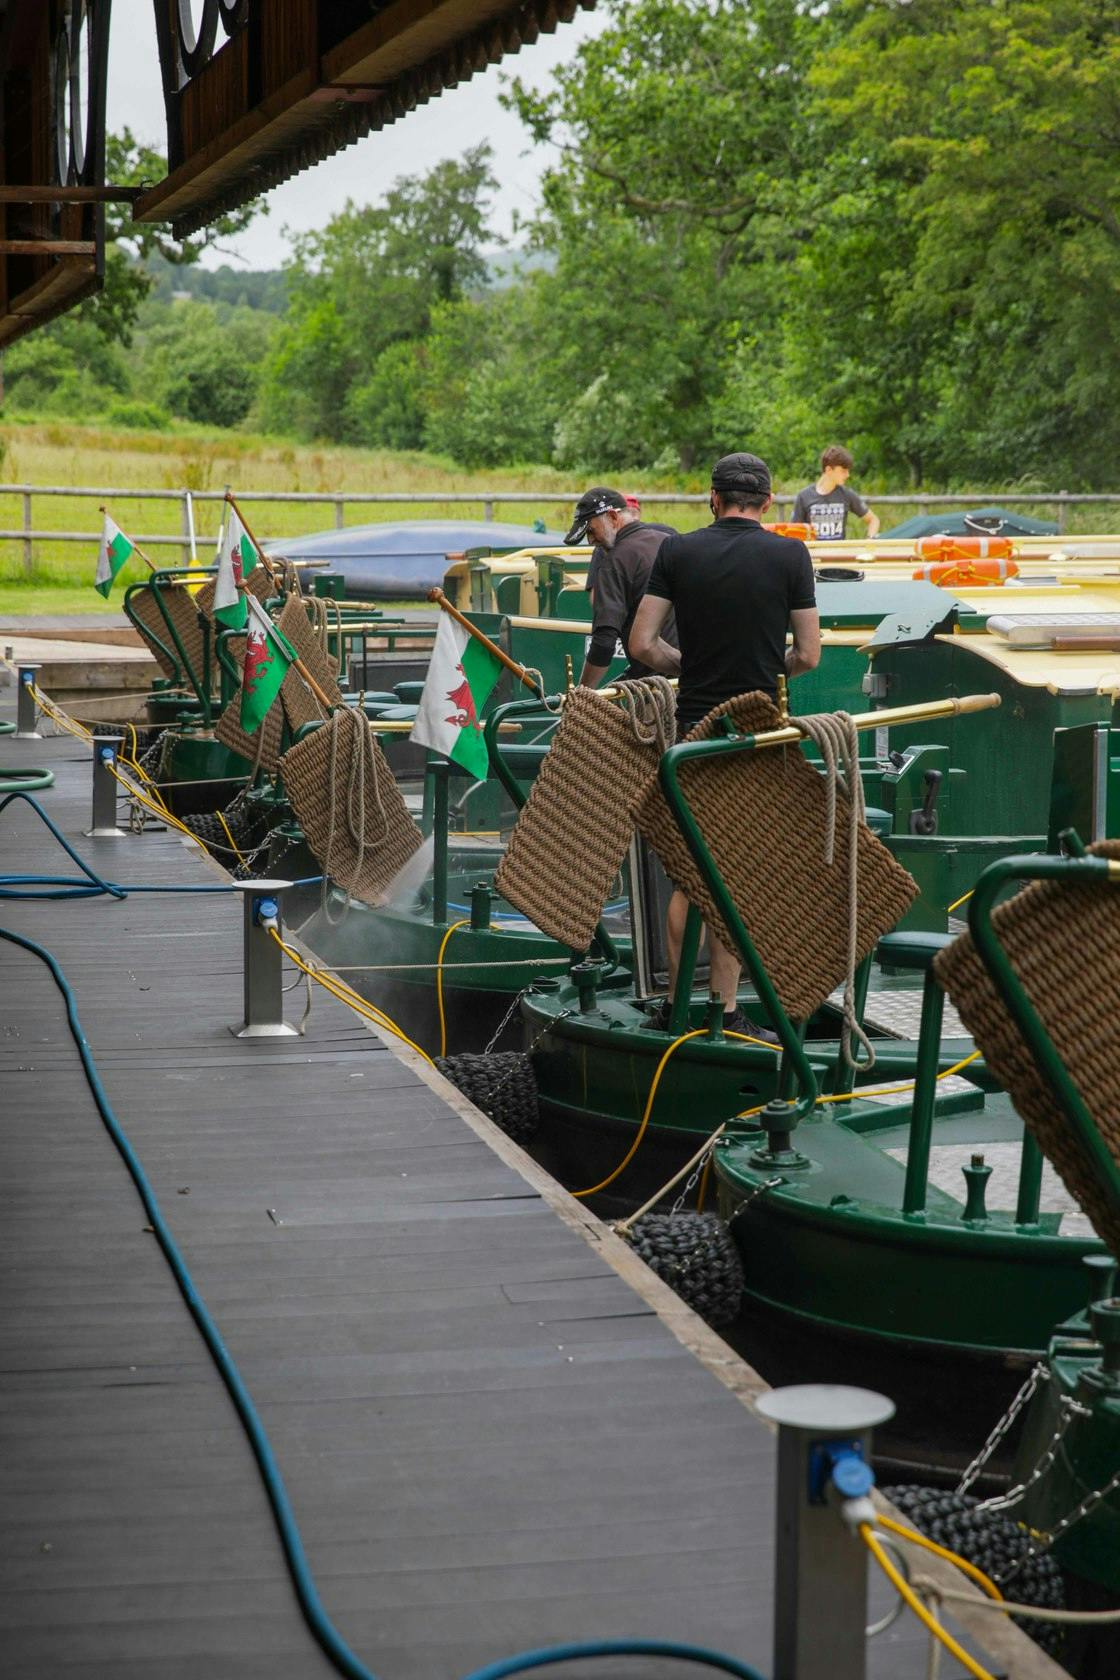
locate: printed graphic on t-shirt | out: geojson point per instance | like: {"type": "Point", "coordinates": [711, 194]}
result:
{"type": "Point", "coordinates": [828, 518]}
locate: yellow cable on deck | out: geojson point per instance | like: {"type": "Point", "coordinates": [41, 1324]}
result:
{"type": "Point", "coordinates": [159, 811]}
{"type": "Point", "coordinates": [907, 1593]}
{"type": "Point", "coordinates": [233, 843]}
{"type": "Point", "coordinates": [439, 982]}
{"type": "Point", "coordinates": [894, 1090]}
{"type": "Point", "coordinates": [964, 1564]}
{"type": "Point", "coordinates": [697, 1032]}
{"type": "Point", "coordinates": [345, 994]}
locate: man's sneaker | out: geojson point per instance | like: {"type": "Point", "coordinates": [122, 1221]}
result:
{"type": "Point", "coordinates": [737, 1022]}
{"type": "Point", "coordinates": [657, 1015]}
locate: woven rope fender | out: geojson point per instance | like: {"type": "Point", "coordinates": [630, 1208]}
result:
{"type": "Point", "coordinates": [571, 837]}
{"type": "Point", "coordinates": [300, 705]}
{"type": "Point", "coordinates": [764, 817]}
{"type": "Point", "coordinates": [1063, 941]}
{"type": "Point", "coordinates": [995, 1544]}
{"type": "Point", "coordinates": [502, 1085]}
{"type": "Point", "coordinates": [695, 1254]}
{"type": "Point", "coordinates": [352, 812]}
{"type": "Point", "coordinates": [183, 613]}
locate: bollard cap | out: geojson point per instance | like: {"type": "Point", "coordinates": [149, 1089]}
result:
{"type": "Point", "coordinates": [825, 1406]}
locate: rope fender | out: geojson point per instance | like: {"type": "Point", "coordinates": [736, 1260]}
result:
{"type": "Point", "coordinates": [695, 1254]}
{"type": "Point", "coordinates": [996, 1544]}
{"type": "Point", "coordinates": [502, 1084]}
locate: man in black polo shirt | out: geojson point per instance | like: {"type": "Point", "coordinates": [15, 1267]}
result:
{"type": "Point", "coordinates": [736, 591]}
{"type": "Point", "coordinates": [625, 550]}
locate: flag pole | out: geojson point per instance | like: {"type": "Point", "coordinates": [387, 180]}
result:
{"type": "Point", "coordinates": [152, 567]}
{"type": "Point", "coordinates": [265, 561]}
{"type": "Point", "coordinates": [321, 696]}
{"type": "Point", "coordinates": [503, 658]}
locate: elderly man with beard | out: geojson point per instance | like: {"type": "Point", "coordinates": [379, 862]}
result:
{"type": "Point", "coordinates": [629, 547]}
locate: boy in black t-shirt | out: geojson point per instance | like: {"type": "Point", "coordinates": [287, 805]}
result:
{"type": "Point", "coordinates": [736, 591]}
{"type": "Point", "coordinates": [826, 504]}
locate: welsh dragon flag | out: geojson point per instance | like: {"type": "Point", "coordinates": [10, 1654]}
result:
{"type": "Point", "coordinates": [460, 680]}
{"type": "Point", "coordinates": [268, 654]}
{"type": "Point", "coordinates": [114, 551]}
{"type": "Point", "coordinates": [237, 556]}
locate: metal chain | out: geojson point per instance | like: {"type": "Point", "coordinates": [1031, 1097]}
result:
{"type": "Point", "coordinates": [528, 1051]}
{"type": "Point", "coordinates": [759, 1190]}
{"type": "Point", "coordinates": [678, 1269]}
{"type": "Point", "coordinates": [1068, 1409]}
{"type": "Point", "coordinates": [1089, 1503]}
{"type": "Point", "coordinates": [1038, 1375]}
{"type": "Point", "coordinates": [692, 1181]}
{"type": "Point", "coordinates": [505, 1021]}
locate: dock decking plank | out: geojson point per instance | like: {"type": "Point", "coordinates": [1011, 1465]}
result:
{"type": "Point", "coordinates": [491, 1441]}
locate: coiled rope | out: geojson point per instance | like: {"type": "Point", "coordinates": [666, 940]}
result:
{"type": "Point", "coordinates": [319, 611]}
{"type": "Point", "coordinates": [651, 706]}
{"type": "Point", "coordinates": [363, 769]}
{"type": "Point", "coordinates": [835, 736]}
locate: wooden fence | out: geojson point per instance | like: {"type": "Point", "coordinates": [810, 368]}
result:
{"type": "Point", "coordinates": [1056, 503]}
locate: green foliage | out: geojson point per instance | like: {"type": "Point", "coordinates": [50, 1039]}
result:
{"type": "Point", "coordinates": [385, 409]}
{"type": "Point", "coordinates": [71, 370]}
{"type": "Point", "coordinates": [137, 416]}
{"type": "Point", "coordinates": [489, 392]}
{"type": "Point", "coordinates": [368, 280]}
{"type": "Point", "coordinates": [129, 244]}
{"type": "Point", "coordinates": [202, 363]}
{"type": "Point", "coordinates": [768, 224]}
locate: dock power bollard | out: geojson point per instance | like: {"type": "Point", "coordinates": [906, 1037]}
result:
{"type": "Point", "coordinates": [264, 961]}
{"type": "Point", "coordinates": [820, 1587]}
{"type": "Point", "coordinates": [103, 820]}
{"type": "Point", "coordinates": [26, 712]}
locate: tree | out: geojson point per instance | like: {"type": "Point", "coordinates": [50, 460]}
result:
{"type": "Point", "coordinates": [114, 309]}
{"type": "Point", "coordinates": [672, 213]}
{"type": "Point", "coordinates": [371, 279]}
{"type": "Point", "coordinates": [996, 128]}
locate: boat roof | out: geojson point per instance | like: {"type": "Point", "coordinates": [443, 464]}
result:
{"type": "Point", "coordinates": [1060, 671]}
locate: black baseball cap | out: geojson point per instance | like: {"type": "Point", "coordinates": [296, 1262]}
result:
{"type": "Point", "coordinates": [742, 471]}
{"type": "Point", "coordinates": [591, 504]}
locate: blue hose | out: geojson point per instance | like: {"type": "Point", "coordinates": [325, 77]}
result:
{"type": "Point", "coordinates": [94, 886]}
{"type": "Point", "coordinates": [307, 1594]}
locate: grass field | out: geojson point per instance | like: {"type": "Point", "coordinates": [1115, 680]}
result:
{"type": "Point", "coordinates": [97, 460]}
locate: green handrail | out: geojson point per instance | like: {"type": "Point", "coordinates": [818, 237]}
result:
{"type": "Point", "coordinates": [1038, 1041]}
{"type": "Point", "coordinates": [687, 752]}
{"type": "Point", "coordinates": [200, 684]}
{"type": "Point", "coordinates": [146, 632]}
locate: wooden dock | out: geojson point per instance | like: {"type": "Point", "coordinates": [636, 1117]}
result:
{"type": "Point", "coordinates": [497, 1429]}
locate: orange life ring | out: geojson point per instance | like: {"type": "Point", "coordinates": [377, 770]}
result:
{"type": "Point", "coordinates": [963, 548]}
{"type": "Point", "coordinates": [949, 574]}
{"type": "Point", "coordinates": [805, 532]}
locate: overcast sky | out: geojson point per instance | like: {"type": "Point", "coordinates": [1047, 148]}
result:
{"type": "Point", "coordinates": [445, 127]}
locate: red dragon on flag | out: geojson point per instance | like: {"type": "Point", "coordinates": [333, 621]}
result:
{"type": "Point", "coordinates": [258, 658]}
{"type": "Point", "coordinates": [464, 715]}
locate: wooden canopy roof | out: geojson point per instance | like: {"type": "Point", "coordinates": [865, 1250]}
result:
{"type": "Point", "coordinates": [283, 84]}
{"type": "Point", "coordinates": [255, 91]}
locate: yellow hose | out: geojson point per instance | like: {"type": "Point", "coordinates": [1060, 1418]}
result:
{"type": "Point", "coordinates": [439, 982]}
{"type": "Point", "coordinates": [963, 1564]}
{"type": "Point", "coordinates": [907, 1593]}
{"type": "Point", "coordinates": [697, 1032]}
{"type": "Point", "coordinates": [226, 829]}
{"type": "Point", "coordinates": [345, 994]}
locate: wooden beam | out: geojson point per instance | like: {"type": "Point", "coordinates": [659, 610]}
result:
{"type": "Point", "coordinates": [69, 195]}
{"type": "Point", "coordinates": [48, 247]}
